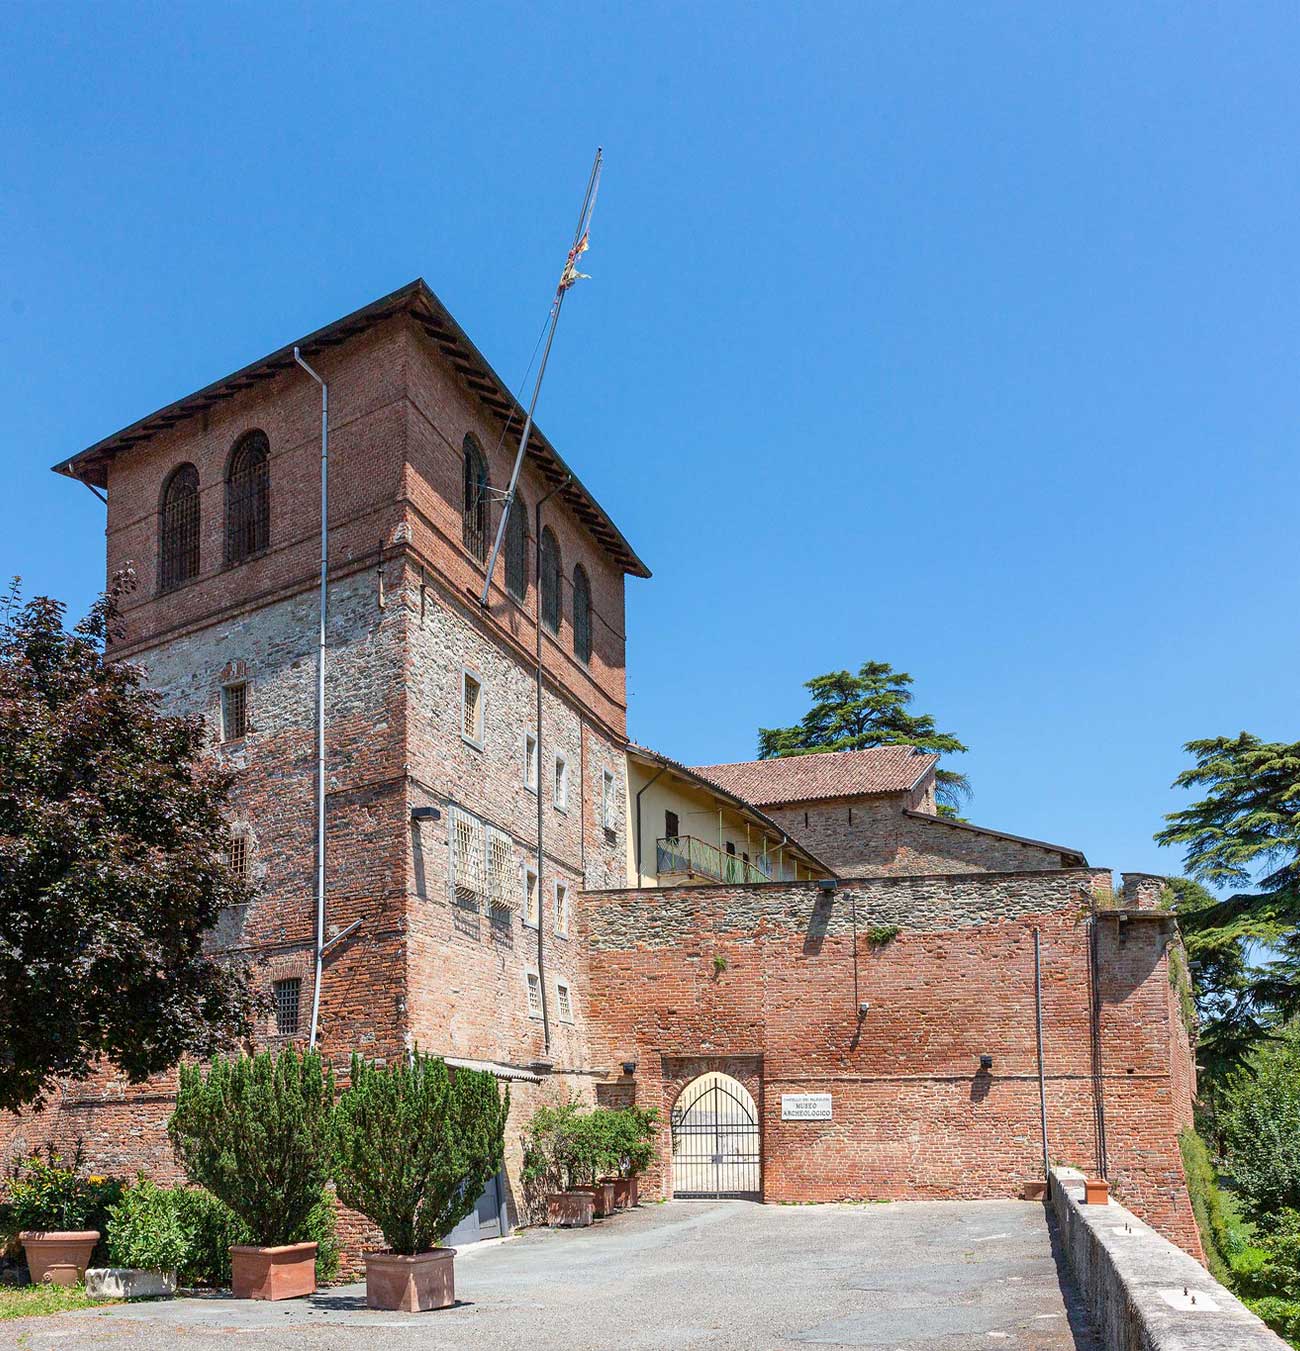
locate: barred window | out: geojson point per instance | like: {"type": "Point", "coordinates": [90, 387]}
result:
{"type": "Point", "coordinates": [581, 615]}
{"type": "Point", "coordinates": [561, 783]}
{"type": "Point", "coordinates": [551, 575]}
{"type": "Point", "coordinates": [288, 998]}
{"type": "Point", "coordinates": [178, 530]}
{"type": "Point", "coordinates": [564, 1001]}
{"type": "Point", "coordinates": [530, 896]}
{"type": "Point", "coordinates": [530, 762]}
{"type": "Point", "coordinates": [608, 800]}
{"type": "Point", "coordinates": [475, 513]}
{"type": "Point", "coordinates": [234, 711]}
{"type": "Point", "coordinates": [517, 548]}
{"type": "Point", "coordinates": [562, 908]}
{"type": "Point", "coordinates": [534, 995]}
{"type": "Point", "coordinates": [248, 507]}
{"type": "Point", "coordinates": [471, 708]}
{"type": "Point", "coordinates": [503, 876]}
{"type": "Point", "coordinates": [468, 858]}
{"type": "Point", "coordinates": [238, 858]}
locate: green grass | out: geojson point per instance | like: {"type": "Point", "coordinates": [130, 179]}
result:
{"type": "Point", "coordinates": [31, 1301]}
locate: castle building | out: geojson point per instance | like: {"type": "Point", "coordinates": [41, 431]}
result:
{"type": "Point", "coordinates": [826, 988]}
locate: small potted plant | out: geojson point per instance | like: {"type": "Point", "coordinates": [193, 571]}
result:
{"type": "Point", "coordinates": [415, 1144]}
{"type": "Point", "coordinates": [257, 1133]}
{"type": "Point", "coordinates": [147, 1242]}
{"type": "Point", "coordinates": [553, 1152]}
{"type": "Point", "coordinates": [634, 1145]}
{"type": "Point", "coordinates": [60, 1216]}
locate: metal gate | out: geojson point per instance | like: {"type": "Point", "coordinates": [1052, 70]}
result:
{"type": "Point", "coordinates": [715, 1139]}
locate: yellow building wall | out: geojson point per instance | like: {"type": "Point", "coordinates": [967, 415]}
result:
{"type": "Point", "coordinates": [698, 815]}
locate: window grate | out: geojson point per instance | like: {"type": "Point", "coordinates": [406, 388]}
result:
{"type": "Point", "coordinates": [530, 897]}
{"type": "Point", "coordinates": [534, 995]}
{"type": "Point", "coordinates": [564, 1002]}
{"type": "Point", "coordinates": [609, 801]}
{"type": "Point", "coordinates": [468, 868]}
{"type": "Point", "coordinates": [248, 514]}
{"type": "Point", "coordinates": [178, 542]}
{"type": "Point", "coordinates": [503, 876]}
{"type": "Point", "coordinates": [561, 782]}
{"type": "Point", "coordinates": [238, 857]}
{"type": "Point", "coordinates": [530, 762]}
{"type": "Point", "coordinates": [561, 908]}
{"type": "Point", "coordinates": [581, 615]}
{"type": "Point", "coordinates": [288, 999]}
{"type": "Point", "coordinates": [472, 708]}
{"type": "Point", "coordinates": [477, 494]}
{"type": "Point", "coordinates": [234, 711]}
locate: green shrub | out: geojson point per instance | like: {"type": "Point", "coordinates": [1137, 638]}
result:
{"type": "Point", "coordinates": [257, 1133]}
{"type": "Point", "coordinates": [550, 1151]}
{"type": "Point", "coordinates": [1263, 1129]}
{"type": "Point", "coordinates": [47, 1194]}
{"type": "Point", "coordinates": [145, 1229]}
{"type": "Point", "coordinates": [880, 934]}
{"type": "Point", "coordinates": [1207, 1204]}
{"type": "Point", "coordinates": [211, 1228]}
{"type": "Point", "coordinates": [632, 1136]}
{"type": "Point", "coordinates": [415, 1145]}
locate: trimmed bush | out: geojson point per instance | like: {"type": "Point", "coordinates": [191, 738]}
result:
{"type": "Point", "coordinates": [145, 1229]}
{"type": "Point", "coordinates": [415, 1144]}
{"type": "Point", "coordinates": [211, 1228]}
{"type": "Point", "coordinates": [257, 1133]}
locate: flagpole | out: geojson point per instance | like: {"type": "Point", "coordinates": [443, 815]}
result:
{"type": "Point", "coordinates": [567, 278]}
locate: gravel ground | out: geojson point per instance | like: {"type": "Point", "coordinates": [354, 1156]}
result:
{"type": "Point", "coordinates": [907, 1275]}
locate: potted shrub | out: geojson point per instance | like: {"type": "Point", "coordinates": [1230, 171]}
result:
{"type": "Point", "coordinates": [414, 1146]}
{"type": "Point", "coordinates": [634, 1136]}
{"type": "Point", "coordinates": [257, 1133]}
{"type": "Point", "coordinates": [552, 1162]}
{"type": "Point", "coordinates": [60, 1216]}
{"type": "Point", "coordinates": [147, 1242]}
{"type": "Point", "coordinates": [593, 1156]}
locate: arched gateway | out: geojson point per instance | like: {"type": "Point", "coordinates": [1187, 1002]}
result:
{"type": "Point", "coordinates": [715, 1139]}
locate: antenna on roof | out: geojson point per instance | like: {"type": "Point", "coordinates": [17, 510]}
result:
{"type": "Point", "coordinates": [568, 276]}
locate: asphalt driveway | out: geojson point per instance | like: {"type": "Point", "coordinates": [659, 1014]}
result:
{"type": "Point", "coordinates": [907, 1276]}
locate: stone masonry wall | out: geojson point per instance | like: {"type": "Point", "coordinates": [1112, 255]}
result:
{"type": "Point", "coordinates": [894, 834]}
{"type": "Point", "coordinates": [913, 1113]}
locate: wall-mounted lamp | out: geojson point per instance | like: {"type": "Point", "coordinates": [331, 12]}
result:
{"type": "Point", "coordinates": [864, 1008]}
{"type": "Point", "coordinates": [986, 1062]}
{"type": "Point", "coordinates": [425, 814]}
{"type": "Point", "coordinates": [629, 1067]}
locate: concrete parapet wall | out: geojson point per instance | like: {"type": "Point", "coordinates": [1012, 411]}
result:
{"type": "Point", "coordinates": [1145, 1294]}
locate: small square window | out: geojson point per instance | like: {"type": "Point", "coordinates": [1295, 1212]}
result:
{"type": "Point", "coordinates": [530, 762]}
{"type": "Point", "coordinates": [534, 995]}
{"type": "Point", "coordinates": [561, 783]}
{"type": "Point", "coordinates": [562, 908]}
{"type": "Point", "coordinates": [234, 711]}
{"type": "Point", "coordinates": [288, 997]}
{"type": "Point", "coordinates": [564, 1001]}
{"type": "Point", "coordinates": [530, 897]}
{"type": "Point", "coordinates": [608, 801]}
{"type": "Point", "coordinates": [471, 708]}
{"type": "Point", "coordinates": [238, 858]}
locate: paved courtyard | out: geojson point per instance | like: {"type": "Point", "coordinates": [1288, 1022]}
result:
{"type": "Point", "coordinates": [908, 1275]}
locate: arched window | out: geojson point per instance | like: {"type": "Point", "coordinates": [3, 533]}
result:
{"type": "Point", "coordinates": [178, 528]}
{"type": "Point", "coordinates": [248, 502]}
{"type": "Point", "coordinates": [475, 510]}
{"type": "Point", "coordinates": [551, 575]}
{"type": "Point", "coordinates": [517, 548]}
{"type": "Point", "coordinates": [581, 614]}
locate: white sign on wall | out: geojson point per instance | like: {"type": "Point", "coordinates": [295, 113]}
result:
{"type": "Point", "coordinates": [805, 1106]}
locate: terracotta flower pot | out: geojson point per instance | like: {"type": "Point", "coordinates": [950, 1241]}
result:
{"type": "Point", "coordinates": [284, 1272]}
{"type": "Point", "coordinates": [624, 1192]}
{"type": "Point", "coordinates": [58, 1256]}
{"type": "Point", "coordinates": [568, 1210]}
{"type": "Point", "coordinates": [1096, 1192]}
{"type": "Point", "coordinates": [602, 1194]}
{"type": "Point", "coordinates": [411, 1284]}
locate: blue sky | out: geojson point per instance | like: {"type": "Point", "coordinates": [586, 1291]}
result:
{"type": "Point", "coordinates": [958, 337]}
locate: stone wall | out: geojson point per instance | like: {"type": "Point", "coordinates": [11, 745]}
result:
{"type": "Point", "coordinates": [772, 974]}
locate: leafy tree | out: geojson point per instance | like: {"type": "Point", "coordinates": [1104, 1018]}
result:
{"type": "Point", "coordinates": [111, 864]}
{"type": "Point", "coordinates": [1263, 1128]}
{"type": "Point", "coordinates": [1244, 834]}
{"type": "Point", "coordinates": [416, 1145]}
{"type": "Point", "coordinates": [855, 712]}
{"type": "Point", "coordinates": [256, 1132]}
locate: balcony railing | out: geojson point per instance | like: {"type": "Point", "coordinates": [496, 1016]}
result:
{"type": "Point", "coordinates": [688, 856]}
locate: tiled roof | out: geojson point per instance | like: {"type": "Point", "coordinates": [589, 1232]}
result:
{"type": "Point", "coordinates": [807, 778]}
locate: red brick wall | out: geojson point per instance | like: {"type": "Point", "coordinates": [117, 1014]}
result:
{"type": "Point", "coordinates": [913, 1114]}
